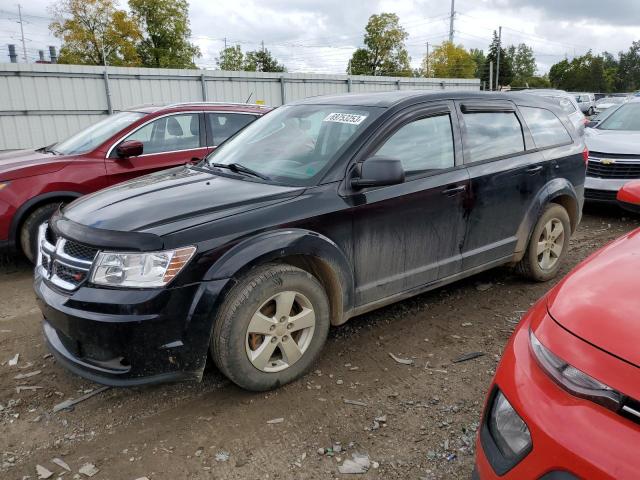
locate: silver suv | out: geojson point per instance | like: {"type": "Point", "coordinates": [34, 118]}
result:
{"type": "Point", "coordinates": [586, 102]}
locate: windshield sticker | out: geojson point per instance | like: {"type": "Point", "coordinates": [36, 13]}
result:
{"type": "Point", "coordinates": [345, 118]}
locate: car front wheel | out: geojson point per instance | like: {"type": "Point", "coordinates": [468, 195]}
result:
{"type": "Point", "coordinates": [271, 327]}
{"type": "Point", "coordinates": [29, 230]}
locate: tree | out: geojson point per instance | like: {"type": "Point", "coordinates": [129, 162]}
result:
{"type": "Point", "coordinates": [480, 60]}
{"type": "Point", "coordinates": [384, 52]}
{"type": "Point", "coordinates": [448, 61]}
{"type": "Point", "coordinates": [166, 33]}
{"type": "Point", "coordinates": [506, 74]}
{"type": "Point", "coordinates": [231, 58]}
{"type": "Point", "coordinates": [88, 28]}
{"type": "Point", "coordinates": [523, 63]}
{"type": "Point", "coordinates": [584, 73]}
{"type": "Point", "coordinates": [261, 61]}
{"type": "Point", "coordinates": [629, 68]}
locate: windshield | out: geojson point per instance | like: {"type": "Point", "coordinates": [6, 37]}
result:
{"type": "Point", "coordinates": [626, 117]}
{"type": "Point", "coordinates": [89, 138]}
{"type": "Point", "coordinates": [295, 144]}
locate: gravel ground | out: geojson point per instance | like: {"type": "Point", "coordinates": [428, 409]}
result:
{"type": "Point", "coordinates": [413, 421]}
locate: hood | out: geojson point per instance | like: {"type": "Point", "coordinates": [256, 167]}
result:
{"type": "Point", "coordinates": [599, 300]}
{"type": "Point", "coordinates": [171, 200]}
{"type": "Point", "coordinates": [613, 141]}
{"type": "Point", "coordinates": [27, 163]}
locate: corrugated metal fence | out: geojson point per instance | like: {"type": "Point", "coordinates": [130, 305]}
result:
{"type": "Point", "coordinates": [42, 104]}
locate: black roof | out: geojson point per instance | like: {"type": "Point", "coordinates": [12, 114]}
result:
{"type": "Point", "coordinates": [395, 97]}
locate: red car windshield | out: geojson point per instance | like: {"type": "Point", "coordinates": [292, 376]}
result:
{"type": "Point", "coordinates": [91, 137]}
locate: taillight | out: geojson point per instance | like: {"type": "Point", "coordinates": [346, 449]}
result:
{"type": "Point", "coordinates": [585, 155]}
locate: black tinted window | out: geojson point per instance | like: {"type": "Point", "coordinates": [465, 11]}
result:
{"type": "Point", "coordinates": [425, 144]}
{"type": "Point", "coordinates": [492, 134]}
{"type": "Point", "coordinates": [546, 128]}
{"type": "Point", "coordinates": [224, 125]}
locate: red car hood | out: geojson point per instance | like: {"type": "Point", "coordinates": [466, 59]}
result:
{"type": "Point", "coordinates": [599, 301]}
{"type": "Point", "coordinates": [26, 163]}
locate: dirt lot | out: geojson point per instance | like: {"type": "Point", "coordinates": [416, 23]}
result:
{"type": "Point", "coordinates": [427, 412]}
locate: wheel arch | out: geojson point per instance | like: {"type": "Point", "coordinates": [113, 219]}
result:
{"type": "Point", "coordinates": [305, 249]}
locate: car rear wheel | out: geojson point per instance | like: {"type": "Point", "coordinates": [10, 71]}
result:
{"type": "Point", "coordinates": [547, 246]}
{"type": "Point", "coordinates": [29, 230]}
{"type": "Point", "coordinates": [271, 327]}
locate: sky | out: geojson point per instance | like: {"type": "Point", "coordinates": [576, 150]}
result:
{"type": "Point", "coordinates": [319, 36]}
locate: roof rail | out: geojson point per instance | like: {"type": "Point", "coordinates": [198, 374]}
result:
{"type": "Point", "coordinates": [216, 103]}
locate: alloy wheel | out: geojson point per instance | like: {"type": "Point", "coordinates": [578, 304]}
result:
{"type": "Point", "coordinates": [550, 244]}
{"type": "Point", "coordinates": [280, 331]}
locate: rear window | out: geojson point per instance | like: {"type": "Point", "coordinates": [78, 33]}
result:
{"type": "Point", "coordinates": [547, 129]}
{"type": "Point", "coordinates": [566, 104]}
{"type": "Point", "coordinates": [491, 135]}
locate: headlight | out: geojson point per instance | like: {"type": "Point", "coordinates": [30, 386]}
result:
{"type": "Point", "coordinates": [509, 431]}
{"type": "Point", "coordinates": [142, 270]}
{"type": "Point", "coordinates": [573, 380]}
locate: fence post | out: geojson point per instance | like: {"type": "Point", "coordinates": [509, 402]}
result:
{"type": "Point", "coordinates": [107, 91]}
{"type": "Point", "coordinates": [203, 84]}
{"type": "Point", "coordinates": [398, 84]}
{"type": "Point", "coordinates": [349, 84]}
{"type": "Point", "coordinates": [283, 93]}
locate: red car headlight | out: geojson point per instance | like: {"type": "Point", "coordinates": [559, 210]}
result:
{"type": "Point", "coordinates": [573, 380]}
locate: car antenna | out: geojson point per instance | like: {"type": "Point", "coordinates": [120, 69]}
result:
{"type": "Point", "coordinates": [249, 98]}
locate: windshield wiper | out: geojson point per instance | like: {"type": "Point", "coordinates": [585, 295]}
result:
{"type": "Point", "coordinates": [239, 168]}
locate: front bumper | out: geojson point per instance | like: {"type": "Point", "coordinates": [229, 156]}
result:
{"type": "Point", "coordinates": [603, 189]}
{"type": "Point", "coordinates": [572, 438]}
{"type": "Point", "coordinates": [130, 337]}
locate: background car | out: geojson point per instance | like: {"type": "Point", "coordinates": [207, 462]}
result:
{"type": "Point", "coordinates": [127, 144]}
{"type": "Point", "coordinates": [565, 399]}
{"type": "Point", "coordinates": [586, 102]}
{"type": "Point", "coordinates": [320, 211]}
{"type": "Point", "coordinates": [567, 102]}
{"type": "Point", "coordinates": [614, 152]}
{"type": "Point", "coordinates": [608, 102]}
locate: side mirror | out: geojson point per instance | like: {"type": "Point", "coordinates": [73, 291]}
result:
{"type": "Point", "coordinates": [130, 148]}
{"type": "Point", "coordinates": [629, 196]}
{"type": "Point", "coordinates": [379, 172]}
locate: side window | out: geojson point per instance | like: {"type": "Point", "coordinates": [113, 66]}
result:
{"type": "Point", "coordinates": [547, 129]}
{"type": "Point", "coordinates": [425, 144]}
{"type": "Point", "coordinates": [224, 125]}
{"type": "Point", "coordinates": [171, 133]}
{"type": "Point", "coordinates": [492, 134]}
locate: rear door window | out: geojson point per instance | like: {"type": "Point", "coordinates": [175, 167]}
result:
{"type": "Point", "coordinates": [169, 134]}
{"type": "Point", "coordinates": [547, 129]}
{"type": "Point", "coordinates": [492, 135]}
{"type": "Point", "coordinates": [224, 125]}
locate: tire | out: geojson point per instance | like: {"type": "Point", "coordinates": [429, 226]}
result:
{"type": "Point", "coordinates": [29, 229]}
{"type": "Point", "coordinates": [547, 246]}
{"type": "Point", "coordinates": [591, 112]}
{"type": "Point", "coordinates": [251, 306]}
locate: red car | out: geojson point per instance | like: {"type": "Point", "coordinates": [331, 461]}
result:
{"type": "Point", "coordinates": [124, 145]}
{"type": "Point", "coordinates": [565, 400]}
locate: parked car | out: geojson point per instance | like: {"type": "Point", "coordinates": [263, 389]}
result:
{"type": "Point", "coordinates": [614, 152]}
{"type": "Point", "coordinates": [599, 117]}
{"type": "Point", "coordinates": [124, 145]}
{"type": "Point", "coordinates": [565, 399]}
{"type": "Point", "coordinates": [567, 102]}
{"type": "Point", "coordinates": [324, 209]}
{"type": "Point", "coordinates": [586, 102]}
{"type": "Point", "coordinates": [608, 102]}
{"type": "Point", "coordinates": [628, 196]}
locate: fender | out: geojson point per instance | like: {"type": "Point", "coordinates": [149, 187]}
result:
{"type": "Point", "coordinates": [553, 189]}
{"type": "Point", "coordinates": [18, 217]}
{"type": "Point", "coordinates": [277, 244]}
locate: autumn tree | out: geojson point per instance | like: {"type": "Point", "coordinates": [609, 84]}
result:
{"type": "Point", "coordinates": [165, 26]}
{"type": "Point", "coordinates": [89, 28]}
{"type": "Point", "coordinates": [449, 61]}
{"type": "Point", "coordinates": [261, 61]}
{"type": "Point", "coordinates": [385, 52]}
{"type": "Point", "coordinates": [231, 58]}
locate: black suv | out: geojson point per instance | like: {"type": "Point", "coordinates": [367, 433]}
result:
{"type": "Point", "coordinates": [322, 210]}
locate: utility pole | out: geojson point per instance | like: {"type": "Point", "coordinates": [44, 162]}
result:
{"type": "Point", "coordinates": [498, 59]}
{"type": "Point", "coordinates": [453, 14]}
{"type": "Point", "coordinates": [428, 76]}
{"type": "Point", "coordinates": [24, 45]}
{"type": "Point", "coordinates": [225, 43]}
{"type": "Point", "coordinates": [262, 46]}
{"type": "Point", "coordinates": [490, 76]}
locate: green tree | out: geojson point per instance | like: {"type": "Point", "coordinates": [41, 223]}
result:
{"type": "Point", "coordinates": [523, 63]}
{"type": "Point", "coordinates": [165, 24]}
{"type": "Point", "coordinates": [384, 52]}
{"type": "Point", "coordinates": [506, 75]}
{"type": "Point", "coordinates": [262, 61]}
{"type": "Point", "coordinates": [231, 58]}
{"type": "Point", "coordinates": [583, 73]}
{"type": "Point", "coordinates": [449, 61]}
{"type": "Point", "coordinates": [480, 60]}
{"type": "Point", "coordinates": [629, 68]}
{"type": "Point", "coordinates": [87, 28]}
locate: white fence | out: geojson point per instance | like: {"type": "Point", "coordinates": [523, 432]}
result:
{"type": "Point", "coordinates": [41, 104]}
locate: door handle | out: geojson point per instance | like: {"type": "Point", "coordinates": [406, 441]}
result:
{"type": "Point", "coordinates": [451, 191]}
{"type": "Point", "coordinates": [534, 170]}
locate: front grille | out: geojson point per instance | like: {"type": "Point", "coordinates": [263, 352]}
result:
{"type": "Point", "coordinates": [613, 168]}
{"type": "Point", "coordinates": [603, 195]}
{"type": "Point", "coordinates": [65, 263]}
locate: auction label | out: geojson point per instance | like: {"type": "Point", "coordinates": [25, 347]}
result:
{"type": "Point", "coordinates": [345, 118]}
